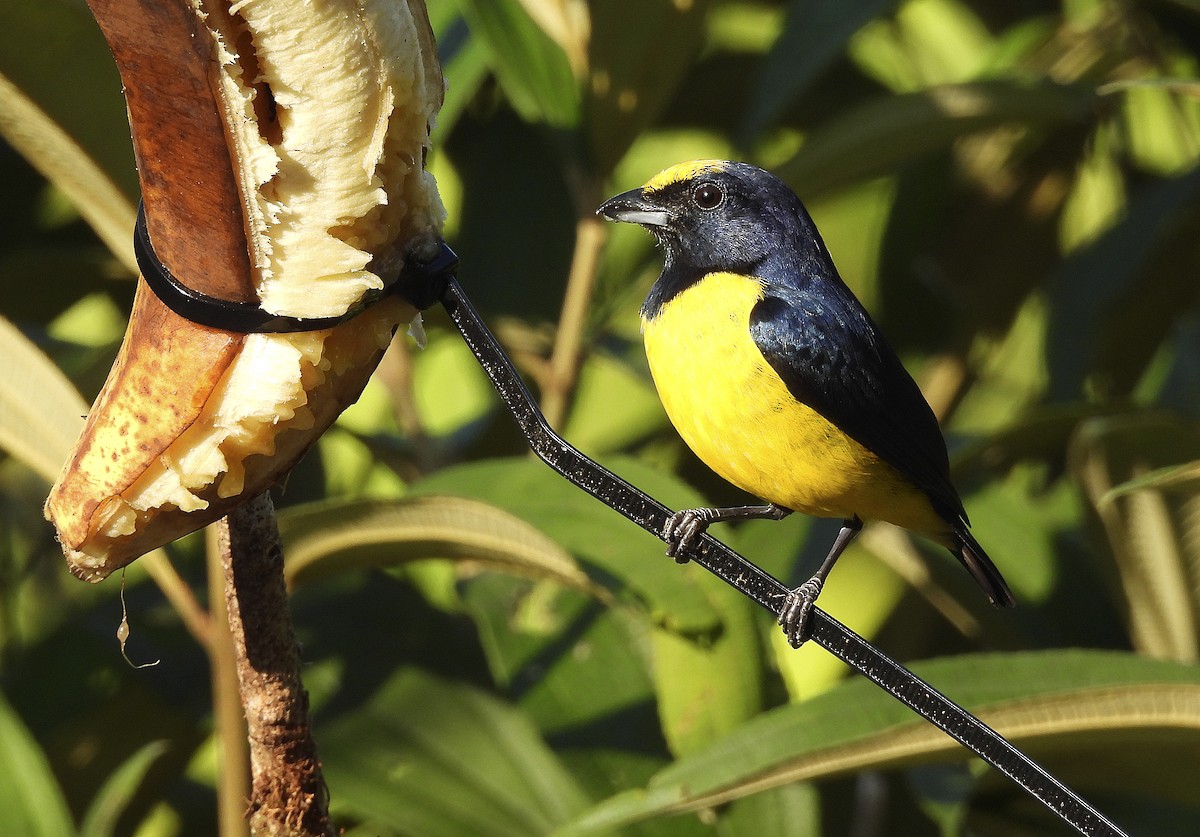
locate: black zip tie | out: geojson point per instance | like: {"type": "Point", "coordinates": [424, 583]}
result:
{"type": "Point", "coordinates": [423, 283]}
{"type": "Point", "coordinates": [249, 317]}
{"type": "Point", "coordinates": [763, 588]}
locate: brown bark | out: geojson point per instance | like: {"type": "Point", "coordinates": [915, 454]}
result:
{"type": "Point", "coordinates": [288, 793]}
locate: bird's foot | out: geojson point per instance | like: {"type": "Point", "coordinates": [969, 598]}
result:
{"type": "Point", "coordinates": [683, 528]}
{"type": "Point", "coordinates": [797, 610]}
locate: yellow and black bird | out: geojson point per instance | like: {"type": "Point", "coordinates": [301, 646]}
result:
{"type": "Point", "coordinates": [776, 376]}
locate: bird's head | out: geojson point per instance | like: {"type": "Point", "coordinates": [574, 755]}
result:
{"type": "Point", "coordinates": [713, 215]}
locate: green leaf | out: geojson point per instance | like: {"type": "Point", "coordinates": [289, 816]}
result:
{"type": "Point", "coordinates": [579, 671]}
{"type": "Point", "coordinates": [119, 789]}
{"type": "Point", "coordinates": [433, 757]}
{"type": "Point", "coordinates": [639, 51]}
{"type": "Point", "coordinates": [1097, 197]}
{"type": "Point", "coordinates": [1168, 477]}
{"type": "Point", "coordinates": [31, 802]}
{"type": "Point", "coordinates": [41, 414]}
{"type": "Point", "coordinates": [1161, 125]}
{"type": "Point", "coordinates": [446, 410]}
{"type": "Point", "coordinates": [64, 163]}
{"type": "Point", "coordinates": [706, 661]}
{"type": "Point", "coordinates": [928, 42]}
{"type": "Point", "coordinates": [875, 138]}
{"type": "Point", "coordinates": [1060, 700]}
{"type": "Point", "coordinates": [464, 61]}
{"type": "Point", "coordinates": [814, 34]}
{"type": "Point", "coordinates": [613, 407]}
{"type": "Point", "coordinates": [707, 687]}
{"type": "Point", "coordinates": [1020, 524]}
{"type": "Point", "coordinates": [336, 536]}
{"type": "Point", "coordinates": [592, 531]}
{"type": "Point", "coordinates": [532, 69]}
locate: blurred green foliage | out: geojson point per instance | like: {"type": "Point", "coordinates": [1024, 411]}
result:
{"type": "Point", "coordinates": [1011, 188]}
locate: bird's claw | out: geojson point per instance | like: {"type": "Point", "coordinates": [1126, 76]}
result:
{"type": "Point", "coordinates": [797, 610]}
{"type": "Point", "coordinates": [682, 529]}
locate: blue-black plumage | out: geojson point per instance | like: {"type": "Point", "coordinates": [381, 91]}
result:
{"type": "Point", "coordinates": [777, 377]}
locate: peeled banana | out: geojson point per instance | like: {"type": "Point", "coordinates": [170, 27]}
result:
{"type": "Point", "coordinates": [327, 107]}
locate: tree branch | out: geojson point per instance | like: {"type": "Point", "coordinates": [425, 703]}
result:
{"type": "Point", "coordinates": [288, 794]}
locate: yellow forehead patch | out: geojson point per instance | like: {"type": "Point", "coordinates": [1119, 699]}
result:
{"type": "Point", "coordinates": [682, 171]}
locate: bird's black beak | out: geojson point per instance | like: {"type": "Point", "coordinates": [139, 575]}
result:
{"type": "Point", "coordinates": [632, 207]}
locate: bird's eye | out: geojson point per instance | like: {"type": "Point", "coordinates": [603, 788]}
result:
{"type": "Point", "coordinates": [708, 196]}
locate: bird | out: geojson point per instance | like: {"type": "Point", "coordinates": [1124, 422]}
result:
{"type": "Point", "coordinates": [775, 375]}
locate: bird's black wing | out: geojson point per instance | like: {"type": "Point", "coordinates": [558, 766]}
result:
{"type": "Point", "coordinates": [823, 344]}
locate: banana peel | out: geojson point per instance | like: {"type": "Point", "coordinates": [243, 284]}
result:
{"type": "Point", "coordinates": [326, 107]}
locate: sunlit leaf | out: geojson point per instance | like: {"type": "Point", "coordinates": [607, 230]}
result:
{"type": "Point", "coordinates": [707, 686]}
{"type": "Point", "coordinates": [928, 42]}
{"type": "Point", "coordinates": [1020, 523]}
{"type": "Point", "coordinates": [41, 413]}
{"type": "Point", "coordinates": [532, 68]}
{"type": "Point", "coordinates": [1058, 699]}
{"type": "Point", "coordinates": [339, 535]}
{"type": "Point", "coordinates": [446, 410]}
{"type": "Point", "coordinates": [352, 469]}
{"type": "Point", "coordinates": [1097, 197]}
{"type": "Point", "coordinates": [1039, 434]}
{"type": "Point", "coordinates": [947, 38]}
{"type": "Point", "coordinates": [744, 26]}
{"type": "Point", "coordinates": [94, 321]}
{"type": "Point", "coordinates": [566, 22]}
{"type": "Point", "coordinates": [1161, 126]}
{"type": "Point", "coordinates": [1014, 46]}
{"type": "Point", "coordinates": [613, 407]}
{"type": "Point", "coordinates": [853, 224]}
{"type": "Point", "coordinates": [31, 802]}
{"type": "Point", "coordinates": [1011, 371]}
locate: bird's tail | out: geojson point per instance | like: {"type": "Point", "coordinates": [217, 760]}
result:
{"type": "Point", "coordinates": [968, 551]}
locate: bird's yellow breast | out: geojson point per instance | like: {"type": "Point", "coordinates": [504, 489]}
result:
{"type": "Point", "coordinates": [738, 416]}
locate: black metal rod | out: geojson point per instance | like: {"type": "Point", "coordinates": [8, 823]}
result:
{"type": "Point", "coordinates": [763, 588]}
